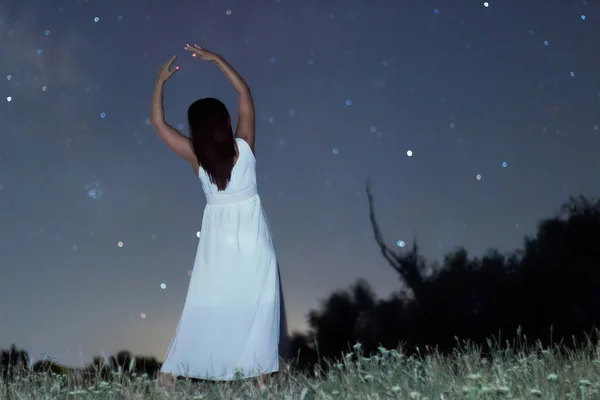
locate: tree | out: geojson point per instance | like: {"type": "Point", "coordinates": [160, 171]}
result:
{"type": "Point", "coordinates": [345, 317]}
{"type": "Point", "coordinates": [125, 363]}
{"type": "Point", "coordinates": [409, 265]}
{"type": "Point", "coordinates": [12, 362]}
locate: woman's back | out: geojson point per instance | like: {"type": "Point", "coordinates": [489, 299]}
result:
{"type": "Point", "coordinates": [243, 176]}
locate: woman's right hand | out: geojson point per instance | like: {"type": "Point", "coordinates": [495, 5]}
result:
{"type": "Point", "coordinates": [201, 53]}
{"type": "Point", "coordinates": [165, 71]}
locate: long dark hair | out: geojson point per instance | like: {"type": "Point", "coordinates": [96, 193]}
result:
{"type": "Point", "coordinates": [212, 139]}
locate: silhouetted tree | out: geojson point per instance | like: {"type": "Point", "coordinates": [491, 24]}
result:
{"type": "Point", "coordinates": [410, 266]}
{"type": "Point", "coordinates": [123, 365]}
{"type": "Point", "coordinates": [47, 366]}
{"type": "Point", "coordinates": [100, 368]}
{"type": "Point", "coordinates": [147, 365]}
{"type": "Point", "coordinates": [12, 362]}
{"type": "Point", "coordinates": [123, 359]}
{"type": "Point", "coordinates": [305, 355]}
{"type": "Point", "coordinates": [344, 317]}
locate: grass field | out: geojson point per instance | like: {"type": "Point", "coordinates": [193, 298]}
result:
{"type": "Point", "coordinates": [553, 373]}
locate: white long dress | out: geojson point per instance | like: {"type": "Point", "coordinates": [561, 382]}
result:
{"type": "Point", "coordinates": [230, 325]}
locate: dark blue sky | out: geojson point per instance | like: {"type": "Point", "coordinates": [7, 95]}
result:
{"type": "Point", "coordinates": [343, 90]}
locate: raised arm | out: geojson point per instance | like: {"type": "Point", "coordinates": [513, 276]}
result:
{"type": "Point", "coordinates": [246, 117]}
{"type": "Point", "coordinates": [178, 142]}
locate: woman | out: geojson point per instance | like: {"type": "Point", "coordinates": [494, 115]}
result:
{"type": "Point", "coordinates": [229, 327]}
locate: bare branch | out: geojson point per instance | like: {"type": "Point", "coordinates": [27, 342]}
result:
{"type": "Point", "coordinates": [406, 267]}
{"type": "Point", "coordinates": [387, 253]}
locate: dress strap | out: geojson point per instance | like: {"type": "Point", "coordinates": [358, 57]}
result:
{"type": "Point", "coordinates": [242, 143]}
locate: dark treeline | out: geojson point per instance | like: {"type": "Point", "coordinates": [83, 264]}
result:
{"type": "Point", "coordinates": [548, 293]}
{"type": "Point", "coordinates": [124, 364]}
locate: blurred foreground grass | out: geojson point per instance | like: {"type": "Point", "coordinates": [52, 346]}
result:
{"type": "Point", "coordinates": [549, 373]}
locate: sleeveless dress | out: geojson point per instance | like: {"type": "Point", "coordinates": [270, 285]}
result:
{"type": "Point", "coordinates": [230, 324]}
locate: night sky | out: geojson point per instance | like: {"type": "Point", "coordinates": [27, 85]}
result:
{"type": "Point", "coordinates": [473, 120]}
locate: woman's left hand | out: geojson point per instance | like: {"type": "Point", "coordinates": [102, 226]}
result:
{"type": "Point", "coordinates": [201, 53]}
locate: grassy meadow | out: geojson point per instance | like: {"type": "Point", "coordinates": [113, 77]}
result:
{"type": "Point", "coordinates": [534, 372]}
